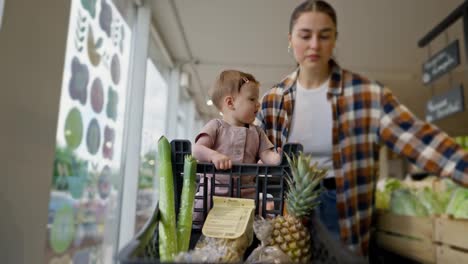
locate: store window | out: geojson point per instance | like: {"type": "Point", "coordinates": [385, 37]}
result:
{"type": "Point", "coordinates": [181, 121]}
{"type": "Point", "coordinates": [87, 175]}
{"type": "Point", "coordinates": [154, 120]}
{"type": "Point", "coordinates": [186, 118]}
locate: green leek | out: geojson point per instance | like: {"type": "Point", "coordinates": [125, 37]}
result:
{"type": "Point", "coordinates": [167, 222]}
{"type": "Point", "coordinates": [184, 224]}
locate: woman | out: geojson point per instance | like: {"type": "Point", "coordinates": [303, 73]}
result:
{"type": "Point", "coordinates": [341, 118]}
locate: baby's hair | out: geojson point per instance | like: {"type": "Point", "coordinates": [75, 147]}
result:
{"type": "Point", "coordinates": [229, 82]}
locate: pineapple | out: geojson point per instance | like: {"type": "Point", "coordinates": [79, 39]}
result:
{"type": "Point", "coordinates": [289, 232]}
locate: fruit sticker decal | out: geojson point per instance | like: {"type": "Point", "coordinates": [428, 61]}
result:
{"type": "Point", "coordinates": [104, 185]}
{"type": "Point", "coordinates": [87, 180]}
{"type": "Point", "coordinates": [63, 229]}
{"type": "Point", "coordinates": [76, 185]}
{"type": "Point", "coordinates": [78, 81]}
{"type": "Point", "coordinates": [112, 101]}
{"type": "Point", "coordinates": [118, 34]}
{"type": "Point", "coordinates": [105, 18]}
{"type": "Point", "coordinates": [73, 128]}
{"type": "Point", "coordinates": [93, 137]}
{"type": "Point", "coordinates": [108, 148]}
{"type": "Point", "coordinates": [93, 46]}
{"type": "Point", "coordinates": [80, 32]}
{"type": "Point", "coordinates": [97, 96]}
{"type": "Point", "coordinates": [115, 69]}
{"type": "Point", "coordinates": [90, 6]}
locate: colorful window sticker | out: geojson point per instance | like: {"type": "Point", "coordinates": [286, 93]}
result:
{"type": "Point", "coordinates": [87, 173]}
{"type": "Point", "coordinates": [63, 229]}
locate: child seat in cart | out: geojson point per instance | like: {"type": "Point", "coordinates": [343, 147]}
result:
{"type": "Point", "coordinates": [269, 184]}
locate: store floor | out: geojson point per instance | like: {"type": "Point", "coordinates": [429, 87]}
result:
{"type": "Point", "coordinates": [378, 255]}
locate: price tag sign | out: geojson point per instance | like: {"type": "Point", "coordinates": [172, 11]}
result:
{"type": "Point", "coordinates": [441, 63]}
{"type": "Point", "coordinates": [445, 104]}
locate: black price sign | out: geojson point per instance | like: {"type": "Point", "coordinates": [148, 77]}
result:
{"type": "Point", "coordinates": [445, 104]}
{"type": "Point", "coordinates": [441, 63]}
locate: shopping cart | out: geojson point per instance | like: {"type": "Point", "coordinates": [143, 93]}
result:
{"type": "Point", "coordinates": [269, 187]}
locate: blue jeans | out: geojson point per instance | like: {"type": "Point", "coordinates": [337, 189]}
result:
{"type": "Point", "coordinates": [327, 213]}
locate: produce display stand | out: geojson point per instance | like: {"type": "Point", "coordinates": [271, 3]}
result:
{"type": "Point", "coordinates": [431, 239]}
{"type": "Point", "coordinates": [408, 236]}
{"type": "Point", "coordinates": [269, 179]}
{"type": "Point", "coordinates": [451, 236]}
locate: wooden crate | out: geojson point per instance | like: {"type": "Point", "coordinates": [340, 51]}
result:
{"type": "Point", "coordinates": [452, 234]}
{"type": "Point", "coordinates": [407, 236]}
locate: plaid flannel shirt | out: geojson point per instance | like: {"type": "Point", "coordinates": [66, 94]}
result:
{"type": "Point", "coordinates": [364, 114]}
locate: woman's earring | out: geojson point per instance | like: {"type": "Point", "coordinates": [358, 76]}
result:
{"type": "Point", "coordinates": [289, 47]}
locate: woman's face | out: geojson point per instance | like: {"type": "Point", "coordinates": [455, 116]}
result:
{"type": "Point", "coordinates": [313, 39]}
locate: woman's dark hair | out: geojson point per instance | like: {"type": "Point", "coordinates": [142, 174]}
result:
{"type": "Point", "coordinates": [309, 6]}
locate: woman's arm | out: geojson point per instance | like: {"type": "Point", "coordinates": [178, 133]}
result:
{"type": "Point", "coordinates": [422, 143]}
{"type": "Point", "coordinates": [202, 151]}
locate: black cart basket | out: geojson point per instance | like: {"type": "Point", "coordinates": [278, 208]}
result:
{"type": "Point", "coordinates": [269, 183]}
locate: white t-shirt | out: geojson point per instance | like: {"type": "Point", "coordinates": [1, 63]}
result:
{"type": "Point", "coordinates": [312, 124]}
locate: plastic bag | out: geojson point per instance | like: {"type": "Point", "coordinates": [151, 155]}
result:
{"type": "Point", "coordinates": [265, 253]}
{"type": "Point", "coordinates": [208, 254]}
{"type": "Point", "coordinates": [214, 250]}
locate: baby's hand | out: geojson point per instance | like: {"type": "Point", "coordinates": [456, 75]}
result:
{"type": "Point", "coordinates": [279, 151]}
{"type": "Point", "coordinates": [221, 162]}
{"type": "Point", "coordinates": [271, 157]}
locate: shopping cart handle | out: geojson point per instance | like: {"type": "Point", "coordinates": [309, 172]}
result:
{"type": "Point", "coordinates": [290, 148]}
{"type": "Point", "coordinates": [182, 147]}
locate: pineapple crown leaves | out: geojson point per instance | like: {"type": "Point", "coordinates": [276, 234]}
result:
{"type": "Point", "coordinates": [303, 182]}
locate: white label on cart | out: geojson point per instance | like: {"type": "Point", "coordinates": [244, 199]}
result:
{"type": "Point", "coordinates": [229, 217]}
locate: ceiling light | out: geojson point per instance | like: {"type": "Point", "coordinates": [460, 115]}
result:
{"type": "Point", "coordinates": [209, 102]}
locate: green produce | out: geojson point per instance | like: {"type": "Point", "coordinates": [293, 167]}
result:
{"type": "Point", "coordinates": [184, 224]}
{"type": "Point", "coordinates": [462, 210]}
{"type": "Point", "coordinates": [445, 195]}
{"type": "Point", "coordinates": [167, 222]}
{"type": "Point", "coordinates": [455, 206]}
{"type": "Point", "coordinates": [289, 234]}
{"type": "Point", "coordinates": [404, 202]}
{"type": "Point", "coordinates": [429, 200]}
{"type": "Point", "coordinates": [383, 194]}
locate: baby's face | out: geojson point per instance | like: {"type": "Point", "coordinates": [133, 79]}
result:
{"type": "Point", "coordinates": [246, 103]}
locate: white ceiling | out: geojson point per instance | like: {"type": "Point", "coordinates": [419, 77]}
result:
{"type": "Point", "coordinates": [377, 38]}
